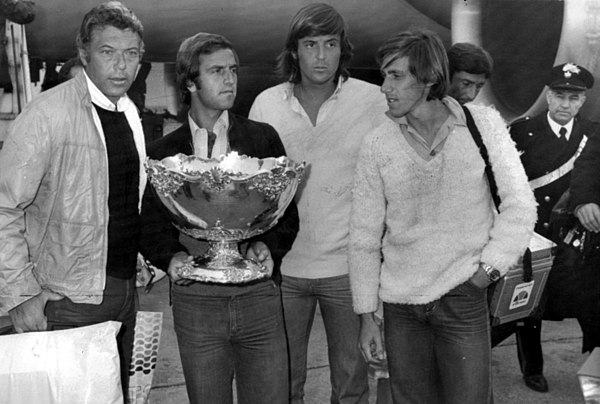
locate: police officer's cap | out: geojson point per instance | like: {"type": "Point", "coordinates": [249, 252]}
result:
{"type": "Point", "coordinates": [570, 76]}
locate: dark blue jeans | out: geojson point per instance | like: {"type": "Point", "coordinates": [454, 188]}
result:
{"type": "Point", "coordinates": [349, 382]}
{"type": "Point", "coordinates": [439, 353]}
{"type": "Point", "coordinates": [118, 304]}
{"type": "Point", "coordinates": [224, 335]}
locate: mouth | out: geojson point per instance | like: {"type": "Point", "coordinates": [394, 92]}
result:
{"type": "Point", "coordinates": [118, 81]}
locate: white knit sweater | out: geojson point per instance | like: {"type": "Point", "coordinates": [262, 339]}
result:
{"type": "Point", "coordinates": [420, 228]}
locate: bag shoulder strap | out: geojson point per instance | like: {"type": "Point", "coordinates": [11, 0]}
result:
{"type": "Point", "coordinates": [527, 269]}
{"type": "Point", "coordinates": [484, 155]}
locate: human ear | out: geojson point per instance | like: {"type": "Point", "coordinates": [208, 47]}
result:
{"type": "Point", "coordinates": [191, 87]}
{"type": "Point", "coordinates": [83, 56]}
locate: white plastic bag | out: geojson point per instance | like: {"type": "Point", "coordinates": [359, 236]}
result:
{"type": "Point", "coordinates": [79, 365]}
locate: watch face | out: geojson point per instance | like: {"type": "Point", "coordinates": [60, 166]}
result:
{"type": "Point", "coordinates": [494, 275]}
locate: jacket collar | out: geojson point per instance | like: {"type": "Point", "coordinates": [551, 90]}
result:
{"type": "Point", "coordinates": [90, 93]}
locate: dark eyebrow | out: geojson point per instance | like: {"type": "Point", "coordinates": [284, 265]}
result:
{"type": "Point", "coordinates": [107, 46]}
{"type": "Point", "coordinates": [234, 66]}
{"type": "Point", "coordinates": [395, 71]}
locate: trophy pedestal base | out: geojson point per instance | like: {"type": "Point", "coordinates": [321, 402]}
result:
{"type": "Point", "coordinates": [223, 264]}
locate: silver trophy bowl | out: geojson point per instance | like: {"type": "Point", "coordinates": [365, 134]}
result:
{"type": "Point", "coordinates": [224, 201]}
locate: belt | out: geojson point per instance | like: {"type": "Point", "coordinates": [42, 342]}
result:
{"type": "Point", "coordinates": [560, 171]}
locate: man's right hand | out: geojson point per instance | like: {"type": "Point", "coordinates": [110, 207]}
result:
{"type": "Point", "coordinates": [29, 315]}
{"type": "Point", "coordinates": [589, 216]}
{"type": "Point", "coordinates": [370, 341]}
{"type": "Point", "coordinates": [179, 259]}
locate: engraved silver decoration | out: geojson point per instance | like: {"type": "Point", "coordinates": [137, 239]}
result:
{"type": "Point", "coordinates": [224, 201]}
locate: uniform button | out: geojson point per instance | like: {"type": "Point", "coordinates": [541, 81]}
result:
{"type": "Point", "coordinates": [546, 225]}
{"type": "Point", "coordinates": [547, 198]}
{"type": "Point", "coordinates": [530, 134]}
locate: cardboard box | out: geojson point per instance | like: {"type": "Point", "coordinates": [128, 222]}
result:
{"type": "Point", "coordinates": [511, 298]}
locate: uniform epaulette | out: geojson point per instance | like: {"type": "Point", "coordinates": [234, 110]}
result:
{"type": "Point", "coordinates": [519, 121]}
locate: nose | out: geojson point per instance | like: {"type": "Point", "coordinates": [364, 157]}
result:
{"type": "Point", "coordinates": [472, 92]}
{"type": "Point", "coordinates": [385, 88]}
{"type": "Point", "coordinates": [228, 76]}
{"type": "Point", "coordinates": [321, 52]}
{"type": "Point", "coordinates": [120, 61]}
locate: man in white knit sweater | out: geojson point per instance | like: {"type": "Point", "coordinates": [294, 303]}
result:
{"type": "Point", "coordinates": [424, 235]}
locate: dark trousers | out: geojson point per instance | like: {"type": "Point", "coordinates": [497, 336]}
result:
{"type": "Point", "coordinates": [118, 304]}
{"type": "Point", "coordinates": [573, 291]}
{"type": "Point", "coordinates": [529, 346]}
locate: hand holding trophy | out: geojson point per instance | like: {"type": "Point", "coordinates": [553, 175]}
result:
{"type": "Point", "coordinates": [224, 201]}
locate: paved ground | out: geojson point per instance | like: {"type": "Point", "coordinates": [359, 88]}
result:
{"type": "Point", "coordinates": [562, 353]}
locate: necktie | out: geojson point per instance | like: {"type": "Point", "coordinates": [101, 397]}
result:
{"type": "Point", "coordinates": [211, 142]}
{"type": "Point", "coordinates": [563, 133]}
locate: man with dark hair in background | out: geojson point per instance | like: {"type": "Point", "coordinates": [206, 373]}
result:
{"type": "Point", "coordinates": [71, 181]}
{"type": "Point", "coordinates": [223, 331]}
{"type": "Point", "coordinates": [322, 116]}
{"type": "Point", "coordinates": [470, 68]}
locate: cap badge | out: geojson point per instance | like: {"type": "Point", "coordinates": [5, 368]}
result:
{"type": "Point", "coordinates": [569, 69]}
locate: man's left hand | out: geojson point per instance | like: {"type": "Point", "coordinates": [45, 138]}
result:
{"type": "Point", "coordinates": [259, 252]}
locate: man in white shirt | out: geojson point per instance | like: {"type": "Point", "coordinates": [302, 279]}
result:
{"type": "Point", "coordinates": [322, 116]}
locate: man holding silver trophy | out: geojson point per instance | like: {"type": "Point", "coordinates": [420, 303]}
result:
{"type": "Point", "coordinates": [226, 326]}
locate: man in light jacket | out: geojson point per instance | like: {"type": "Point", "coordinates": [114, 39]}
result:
{"type": "Point", "coordinates": [71, 181]}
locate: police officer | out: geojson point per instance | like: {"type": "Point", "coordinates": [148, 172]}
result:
{"type": "Point", "coordinates": [550, 143]}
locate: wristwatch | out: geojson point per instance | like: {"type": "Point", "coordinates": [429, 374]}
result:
{"type": "Point", "coordinates": [492, 273]}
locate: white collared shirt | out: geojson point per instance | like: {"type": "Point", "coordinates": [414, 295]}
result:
{"type": "Point", "coordinates": [455, 121]}
{"type": "Point", "coordinates": [200, 137]}
{"type": "Point", "coordinates": [324, 110]}
{"type": "Point", "coordinates": [556, 127]}
{"type": "Point", "coordinates": [330, 148]}
{"type": "Point", "coordinates": [124, 104]}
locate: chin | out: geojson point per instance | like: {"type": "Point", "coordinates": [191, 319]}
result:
{"type": "Point", "coordinates": [397, 114]}
{"type": "Point", "coordinates": [564, 121]}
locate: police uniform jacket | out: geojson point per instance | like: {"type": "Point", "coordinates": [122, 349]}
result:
{"type": "Point", "coordinates": [585, 181]}
{"type": "Point", "coordinates": [543, 152]}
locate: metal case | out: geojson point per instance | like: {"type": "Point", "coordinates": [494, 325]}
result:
{"type": "Point", "coordinates": [511, 298]}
